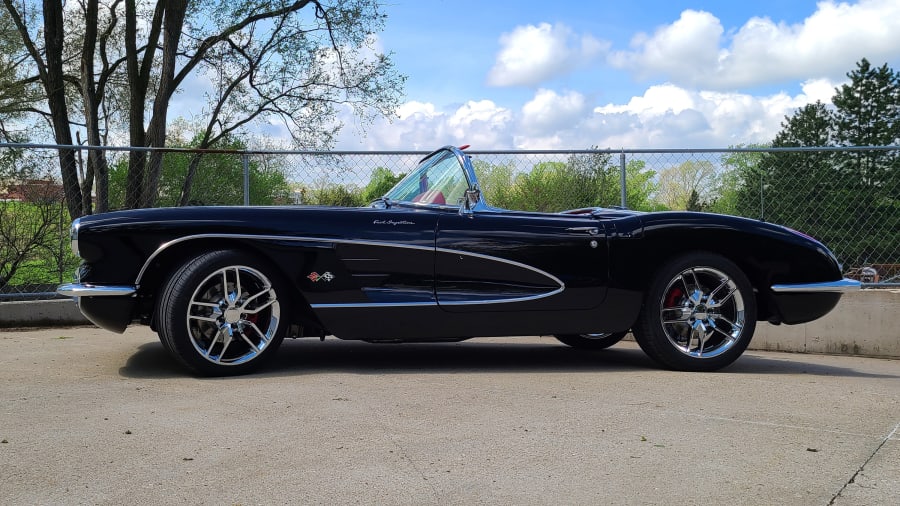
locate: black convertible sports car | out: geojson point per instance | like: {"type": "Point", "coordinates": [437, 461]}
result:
{"type": "Point", "coordinates": [432, 261]}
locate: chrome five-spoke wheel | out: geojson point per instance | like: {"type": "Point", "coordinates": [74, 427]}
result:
{"type": "Point", "coordinates": [702, 312]}
{"type": "Point", "coordinates": [699, 313]}
{"type": "Point", "coordinates": [233, 315]}
{"type": "Point", "coordinates": [220, 313]}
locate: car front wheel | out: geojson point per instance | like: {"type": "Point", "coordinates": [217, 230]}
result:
{"type": "Point", "coordinates": [699, 314]}
{"type": "Point", "coordinates": [220, 314]}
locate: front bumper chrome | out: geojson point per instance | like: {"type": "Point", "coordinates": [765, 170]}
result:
{"type": "Point", "coordinates": [80, 290]}
{"type": "Point", "coordinates": [842, 286]}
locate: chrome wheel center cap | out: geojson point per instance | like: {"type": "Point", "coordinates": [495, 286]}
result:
{"type": "Point", "coordinates": [232, 315]}
{"type": "Point", "coordinates": [701, 312]}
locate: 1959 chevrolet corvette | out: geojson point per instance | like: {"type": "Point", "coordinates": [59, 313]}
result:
{"type": "Point", "coordinates": [432, 261]}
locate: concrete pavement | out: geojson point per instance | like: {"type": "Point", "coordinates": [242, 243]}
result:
{"type": "Point", "coordinates": [93, 417]}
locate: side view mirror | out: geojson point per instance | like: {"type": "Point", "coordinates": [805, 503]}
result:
{"type": "Point", "coordinates": [468, 202]}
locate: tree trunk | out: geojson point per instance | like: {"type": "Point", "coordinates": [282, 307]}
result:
{"type": "Point", "coordinates": [137, 88]}
{"type": "Point", "coordinates": [97, 167]}
{"type": "Point", "coordinates": [173, 22]}
{"type": "Point", "coordinates": [54, 36]}
{"type": "Point", "coordinates": [189, 179]}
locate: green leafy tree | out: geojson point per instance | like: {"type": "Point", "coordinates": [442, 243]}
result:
{"type": "Point", "coordinates": [740, 182]}
{"type": "Point", "coordinates": [218, 178]}
{"type": "Point", "coordinates": [640, 187]}
{"type": "Point", "coordinates": [31, 236]}
{"type": "Point", "coordinates": [795, 182]}
{"type": "Point", "coordinates": [688, 185]}
{"type": "Point", "coordinates": [694, 203]}
{"type": "Point", "coordinates": [584, 180]}
{"type": "Point", "coordinates": [18, 94]}
{"type": "Point", "coordinates": [329, 194]}
{"type": "Point", "coordinates": [122, 62]}
{"type": "Point", "coordinates": [496, 182]}
{"type": "Point", "coordinates": [593, 180]}
{"type": "Point", "coordinates": [381, 182]}
{"type": "Point", "coordinates": [49, 60]}
{"type": "Point", "coordinates": [33, 223]}
{"type": "Point", "coordinates": [543, 188]}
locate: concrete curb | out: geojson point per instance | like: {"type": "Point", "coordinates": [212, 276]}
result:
{"type": "Point", "coordinates": [41, 313]}
{"type": "Point", "coordinates": [865, 323]}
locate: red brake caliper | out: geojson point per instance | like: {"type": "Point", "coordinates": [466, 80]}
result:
{"type": "Point", "coordinates": [674, 297]}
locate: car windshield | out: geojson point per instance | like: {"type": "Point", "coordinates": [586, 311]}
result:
{"type": "Point", "coordinates": [439, 179]}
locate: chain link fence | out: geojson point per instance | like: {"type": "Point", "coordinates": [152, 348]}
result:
{"type": "Point", "coordinates": [849, 198]}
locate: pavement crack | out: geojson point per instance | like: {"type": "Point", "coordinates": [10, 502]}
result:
{"type": "Point", "coordinates": [763, 423]}
{"type": "Point", "coordinates": [864, 464]}
{"type": "Point", "coordinates": [404, 455]}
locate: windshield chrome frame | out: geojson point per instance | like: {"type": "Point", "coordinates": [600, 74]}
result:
{"type": "Point", "coordinates": [468, 171]}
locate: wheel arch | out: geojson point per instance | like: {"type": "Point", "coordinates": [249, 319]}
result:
{"type": "Point", "coordinates": [767, 254]}
{"type": "Point", "coordinates": [171, 256]}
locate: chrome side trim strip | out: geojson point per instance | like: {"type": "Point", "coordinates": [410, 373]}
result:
{"type": "Point", "coordinates": [421, 304]}
{"type": "Point", "coordinates": [166, 245]}
{"type": "Point", "coordinates": [556, 280]}
{"type": "Point", "coordinates": [501, 301]}
{"type": "Point", "coordinates": [844, 285]}
{"type": "Point", "coordinates": [562, 286]}
{"type": "Point", "coordinates": [373, 305]}
{"type": "Point", "coordinates": [79, 290]}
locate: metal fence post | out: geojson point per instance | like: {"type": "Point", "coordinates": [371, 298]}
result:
{"type": "Point", "coordinates": [60, 228]}
{"type": "Point", "coordinates": [622, 178]}
{"type": "Point", "coordinates": [245, 158]}
{"type": "Point", "coordinates": [762, 201]}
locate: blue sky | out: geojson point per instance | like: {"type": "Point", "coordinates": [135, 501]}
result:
{"type": "Point", "coordinates": [469, 35]}
{"type": "Point", "coordinates": [628, 74]}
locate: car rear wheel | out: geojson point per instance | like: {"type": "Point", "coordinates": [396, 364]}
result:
{"type": "Point", "coordinates": [591, 341]}
{"type": "Point", "coordinates": [220, 314]}
{"type": "Point", "coordinates": [698, 315]}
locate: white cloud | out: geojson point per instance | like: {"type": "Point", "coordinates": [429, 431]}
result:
{"type": "Point", "coordinates": [416, 109]}
{"type": "Point", "coordinates": [664, 116]}
{"type": "Point", "coordinates": [422, 126]}
{"type": "Point", "coordinates": [551, 111]}
{"type": "Point", "coordinates": [672, 116]}
{"type": "Point", "coordinates": [480, 123]}
{"type": "Point", "coordinates": [687, 48]}
{"type": "Point", "coordinates": [656, 100]}
{"type": "Point", "coordinates": [819, 89]}
{"type": "Point", "coordinates": [696, 51]}
{"type": "Point", "coordinates": [532, 54]}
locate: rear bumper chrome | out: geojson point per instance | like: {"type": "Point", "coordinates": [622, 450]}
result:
{"type": "Point", "coordinates": [842, 286]}
{"type": "Point", "coordinates": [80, 290]}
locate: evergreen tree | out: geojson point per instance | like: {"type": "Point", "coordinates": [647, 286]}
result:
{"type": "Point", "coordinates": [867, 113]}
{"type": "Point", "coordinates": [850, 200]}
{"type": "Point", "coordinates": [796, 181]}
{"type": "Point", "coordinates": [868, 109]}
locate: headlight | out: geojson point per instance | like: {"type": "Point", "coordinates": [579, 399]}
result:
{"type": "Point", "coordinates": [73, 235]}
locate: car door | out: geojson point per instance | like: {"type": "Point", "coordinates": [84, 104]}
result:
{"type": "Point", "coordinates": [519, 262]}
{"type": "Point", "coordinates": [375, 278]}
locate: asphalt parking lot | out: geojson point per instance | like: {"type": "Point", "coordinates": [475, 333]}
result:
{"type": "Point", "coordinates": [93, 417]}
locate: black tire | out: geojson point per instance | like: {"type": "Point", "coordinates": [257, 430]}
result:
{"type": "Point", "coordinates": [219, 314]}
{"type": "Point", "coordinates": [591, 341]}
{"type": "Point", "coordinates": [699, 313]}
